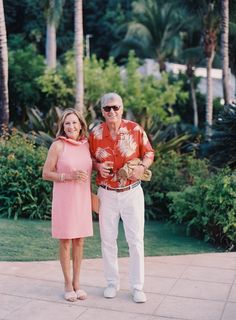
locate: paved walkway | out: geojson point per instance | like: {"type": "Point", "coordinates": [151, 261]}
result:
{"type": "Point", "coordinates": [190, 287]}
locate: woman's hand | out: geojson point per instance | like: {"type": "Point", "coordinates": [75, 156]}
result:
{"type": "Point", "coordinates": [79, 175]}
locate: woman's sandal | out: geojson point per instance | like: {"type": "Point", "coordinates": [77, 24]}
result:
{"type": "Point", "coordinates": [70, 296]}
{"type": "Point", "coordinates": [81, 294]}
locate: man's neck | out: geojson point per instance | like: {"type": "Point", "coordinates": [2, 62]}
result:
{"type": "Point", "coordinates": [113, 128]}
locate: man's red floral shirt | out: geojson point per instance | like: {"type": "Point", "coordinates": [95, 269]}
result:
{"type": "Point", "coordinates": [131, 142]}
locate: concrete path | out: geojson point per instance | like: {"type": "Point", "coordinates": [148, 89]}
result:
{"type": "Point", "coordinates": [190, 287]}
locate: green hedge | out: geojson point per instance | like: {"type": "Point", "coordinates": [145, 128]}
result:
{"type": "Point", "coordinates": [208, 208]}
{"type": "Point", "coordinates": [23, 193]}
{"type": "Point", "coordinates": [170, 172]}
{"type": "Point", "coordinates": [182, 189]}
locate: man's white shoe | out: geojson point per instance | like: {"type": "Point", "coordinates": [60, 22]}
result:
{"type": "Point", "coordinates": [139, 296]}
{"type": "Point", "coordinates": [110, 291]}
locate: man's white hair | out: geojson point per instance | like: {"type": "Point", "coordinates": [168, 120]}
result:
{"type": "Point", "coordinates": [111, 96]}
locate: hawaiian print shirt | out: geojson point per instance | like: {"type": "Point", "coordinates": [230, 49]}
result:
{"type": "Point", "coordinates": [131, 142]}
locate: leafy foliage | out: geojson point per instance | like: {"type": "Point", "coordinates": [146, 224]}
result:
{"type": "Point", "coordinates": [153, 31]}
{"type": "Point", "coordinates": [149, 99]}
{"type": "Point", "coordinates": [25, 66]}
{"type": "Point", "coordinates": [212, 213]}
{"type": "Point", "coordinates": [43, 127]}
{"type": "Point", "coordinates": [56, 89]}
{"type": "Point", "coordinates": [172, 172]}
{"type": "Point", "coordinates": [23, 193]}
{"type": "Point", "coordinates": [222, 149]}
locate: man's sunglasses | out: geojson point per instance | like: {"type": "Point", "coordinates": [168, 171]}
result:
{"type": "Point", "coordinates": [108, 108]}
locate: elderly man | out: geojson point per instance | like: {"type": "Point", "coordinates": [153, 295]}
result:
{"type": "Point", "coordinates": [113, 143]}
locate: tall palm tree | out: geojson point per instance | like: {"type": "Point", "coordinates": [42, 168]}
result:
{"type": "Point", "coordinates": [154, 30]}
{"type": "Point", "coordinates": [225, 49]}
{"type": "Point", "coordinates": [232, 36]}
{"type": "Point", "coordinates": [211, 28]}
{"type": "Point", "coordinates": [4, 100]}
{"type": "Point", "coordinates": [207, 12]}
{"type": "Point", "coordinates": [79, 50]}
{"type": "Point", "coordinates": [192, 55]}
{"type": "Point", "coordinates": [53, 10]}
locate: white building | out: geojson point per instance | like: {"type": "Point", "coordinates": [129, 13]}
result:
{"type": "Point", "coordinates": [150, 67]}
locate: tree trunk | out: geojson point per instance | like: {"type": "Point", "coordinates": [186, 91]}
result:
{"type": "Point", "coordinates": [190, 74]}
{"type": "Point", "coordinates": [194, 102]}
{"type": "Point", "coordinates": [51, 45]}
{"type": "Point", "coordinates": [209, 102]}
{"type": "Point", "coordinates": [4, 99]}
{"type": "Point", "coordinates": [79, 94]}
{"type": "Point", "coordinates": [225, 49]}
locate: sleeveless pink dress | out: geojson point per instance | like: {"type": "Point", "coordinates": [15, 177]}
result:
{"type": "Point", "coordinates": [71, 203]}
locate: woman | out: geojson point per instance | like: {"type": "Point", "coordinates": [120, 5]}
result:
{"type": "Point", "coordinates": [69, 166]}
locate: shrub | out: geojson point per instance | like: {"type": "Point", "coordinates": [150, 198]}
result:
{"type": "Point", "coordinates": [208, 208]}
{"type": "Point", "coordinates": [23, 193]}
{"type": "Point", "coordinates": [221, 150]}
{"type": "Point", "coordinates": [171, 172]}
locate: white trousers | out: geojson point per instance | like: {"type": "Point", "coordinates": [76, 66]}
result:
{"type": "Point", "coordinates": [129, 206]}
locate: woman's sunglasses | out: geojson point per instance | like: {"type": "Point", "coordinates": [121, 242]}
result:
{"type": "Point", "coordinates": [108, 108]}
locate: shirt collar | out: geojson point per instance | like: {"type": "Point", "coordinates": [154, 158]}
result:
{"type": "Point", "coordinates": [106, 131]}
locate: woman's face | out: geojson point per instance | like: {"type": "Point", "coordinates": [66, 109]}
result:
{"type": "Point", "coordinates": [72, 126]}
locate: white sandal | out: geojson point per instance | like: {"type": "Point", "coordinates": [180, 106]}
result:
{"type": "Point", "coordinates": [70, 296]}
{"type": "Point", "coordinates": [81, 294]}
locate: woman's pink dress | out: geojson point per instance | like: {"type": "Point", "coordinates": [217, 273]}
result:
{"type": "Point", "coordinates": [71, 204]}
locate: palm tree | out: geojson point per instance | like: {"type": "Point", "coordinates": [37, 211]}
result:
{"type": "Point", "coordinates": [53, 10]}
{"type": "Point", "coordinates": [192, 55]}
{"type": "Point", "coordinates": [207, 13]}
{"type": "Point", "coordinates": [232, 36]}
{"type": "Point", "coordinates": [225, 49]}
{"type": "Point", "coordinates": [79, 49]}
{"type": "Point", "coordinates": [154, 30]}
{"type": "Point", "coordinates": [211, 23]}
{"type": "Point", "coordinates": [4, 100]}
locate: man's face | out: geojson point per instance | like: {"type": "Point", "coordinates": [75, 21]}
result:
{"type": "Point", "coordinates": [113, 111]}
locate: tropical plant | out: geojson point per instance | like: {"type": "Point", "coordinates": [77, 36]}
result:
{"type": "Point", "coordinates": [211, 28]}
{"type": "Point", "coordinates": [171, 172]}
{"type": "Point", "coordinates": [4, 99]}
{"type": "Point", "coordinates": [23, 193]}
{"type": "Point", "coordinates": [222, 149]}
{"type": "Point", "coordinates": [105, 20]}
{"type": "Point", "coordinates": [100, 77]}
{"type": "Point", "coordinates": [211, 215]}
{"type": "Point", "coordinates": [25, 66]}
{"type": "Point", "coordinates": [192, 56]}
{"type": "Point", "coordinates": [42, 128]}
{"type": "Point", "coordinates": [154, 30]}
{"type": "Point", "coordinates": [57, 88]}
{"type": "Point", "coordinates": [150, 100]}
{"type": "Point", "coordinates": [208, 15]}
{"type": "Point", "coordinates": [52, 10]}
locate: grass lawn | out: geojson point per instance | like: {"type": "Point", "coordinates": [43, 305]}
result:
{"type": "Point", "coordinates": [27, 240]}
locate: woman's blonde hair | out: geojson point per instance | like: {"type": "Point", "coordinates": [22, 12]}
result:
{"type": "Point", "coordinates": [67, 112]}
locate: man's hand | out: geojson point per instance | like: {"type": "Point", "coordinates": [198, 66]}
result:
{"type": "Point", "coordinates": [105, 168]}
{"type": "Point", "coordinates": [137, 172]}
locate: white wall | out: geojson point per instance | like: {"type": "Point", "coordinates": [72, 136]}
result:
{"type": "Point", "coordinates": [150, 67]}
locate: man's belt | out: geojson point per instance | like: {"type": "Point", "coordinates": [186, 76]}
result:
{"type": "Point", "coordinates": [131, 186]}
